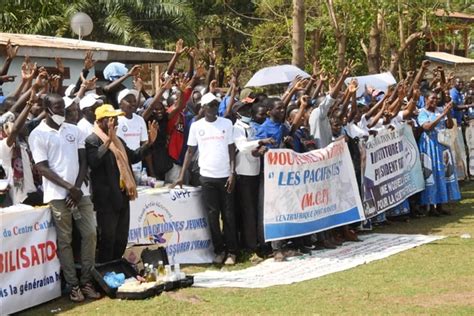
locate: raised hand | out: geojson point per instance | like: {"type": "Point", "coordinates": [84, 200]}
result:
{"type": "Point", "coordinates": [138, 83]}
{"type": "Point", "coordinates": [28, 69]}
{"type": "Point", "coordinates": [152, 131]}
{"type": "Point", "coordinates": [300, 85]}
{"type": "Point", "coordinates": [213, 86]}
{"type": "Point", "coordinates": [111, 132]}
{"type": "Point", "coordinates": [448, 107]}
{"type": "Point", "coordinates": [425, 63]}
{"type": "Point", "coordinates": [212, 57]}
{"type": "Point", "coordinates": [135, 71]}
{"type": "Point", "coordinates": [349, 67]}
{"type": "Point", "coordinates": [183, 83]}
{"type": "Point", "coordinates": [88, 61]}
{"type": "Point", "coordinates": [167, 83]}
{"type": "Point", "coordinates": [11, 51]}
{"type": "Point", "coordinates": [41, 80]}
{"type": "Point", "coordinates": [192, 53]}
{"type": "Point", "coordinates": [304, 101]}
{"type": "Point", "coordinates": [323, 76]}
{"type": "Point", "coordinates": [90, 84]}
{"type": "Point", "coordinates": [316, 72]}
{"type": "Point", "coordinates": [353, 86]}
{"type": "Point", "coordinates": [59, 64]}
{"type": "Point", "coordinates": [54, 82]}
{"type": "Point", "coordinates": [179, 47]}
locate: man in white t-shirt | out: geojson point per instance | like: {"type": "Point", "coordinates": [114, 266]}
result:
{"type": "Point", "coordinates": [213, 136]}
{"type": "Point", "coordinates": [59, 153]}
{"type": "Point", "coordinates": [131, 127]}
{"type": "Point", "coordinates": [87, 105]}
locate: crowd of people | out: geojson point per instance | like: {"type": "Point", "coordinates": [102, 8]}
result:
{"type": "Point", "coordinates": [81, 149]}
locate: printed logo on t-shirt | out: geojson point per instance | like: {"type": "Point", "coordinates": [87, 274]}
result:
{"type": "Point", "coordinates": [124, 128]}
{"type": "Point", "coordinates": [201, 132]}
{"type": "Point", "coordinates": [70, 138]}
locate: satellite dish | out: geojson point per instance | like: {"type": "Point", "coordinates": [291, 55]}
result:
{"type": "Point", "coordinates": [81, 24]}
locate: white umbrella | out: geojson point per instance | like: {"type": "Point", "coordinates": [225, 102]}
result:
{"type": "Point", "coordinates": [379, 82]}
{"type": "Point", "coordinates": [276, 74]}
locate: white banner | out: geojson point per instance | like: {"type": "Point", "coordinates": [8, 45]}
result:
{"type": "Point", "coordinates": [29, 266]}
{"type": "Point", "coordinates": [174, 219]}
{"type": "Point", "coordinates": [320, 263]}
{"type": "Point", "coordinates": [309, 192]}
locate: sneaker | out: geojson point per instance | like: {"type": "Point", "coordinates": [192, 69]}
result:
{"type": "Point", "coordinates": [219, 258]}
{"type": "Point", "coordinates": [230, 261]}
{"type": "Point", "coordinates": [76, 294]}
{"type": "Point", "coordinates": [89, 291]}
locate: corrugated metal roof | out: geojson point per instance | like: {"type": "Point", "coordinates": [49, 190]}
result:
{"type": "Point", "coordinates": [448, 58]}
{"type": "Point", "coordinates": [32, 44]}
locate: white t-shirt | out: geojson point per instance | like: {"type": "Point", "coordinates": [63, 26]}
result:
{"type": "Point", "coordinates": [364, 122]}
{"type": "Point", "coordinates": [398, 120]}
{"type": "Point", "coordinates": [85, 126]}
{"type": "Point", "coordinates": [60, 149]}
{"type": "Point", "coordinates": [353, 130]}
{"type": "Point", "coordinates": [132, 131]}
{"type": "Point", "coordinates": [17, 194]}
{"type": "Point", "coordinates": [245, 163]}
{"type": "Point", "coordinates": [213, 140]}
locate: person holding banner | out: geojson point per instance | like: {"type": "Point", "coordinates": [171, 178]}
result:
{"type": "Point", "coordinates": [213, 136]}
{"type": "Point", "coordinates": [441, 184]}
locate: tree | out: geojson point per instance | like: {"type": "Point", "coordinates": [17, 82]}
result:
{"type": "Point", "coordinates": [129, 22]}
{"type": "Point", "coordinates": [298, 34]}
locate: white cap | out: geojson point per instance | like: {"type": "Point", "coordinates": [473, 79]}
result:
{"type": "Point", "coordinates": [122, 94]}
{"type": "Point", "coordinates": [69, 89]}
{"type": "Point", "coordinates": [207, 98]}
{"type": "Point", "coordinates": [88, 101]}
{"type": "Point", "coordinates": [70, 101]}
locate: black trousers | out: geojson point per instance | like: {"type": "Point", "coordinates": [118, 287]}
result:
{"type": "Point", "coordinates": [246, 193]}
{"type": "Point", "coordinates": [113, 225]}
{"type": "Point", "coordinates": [218, 202]}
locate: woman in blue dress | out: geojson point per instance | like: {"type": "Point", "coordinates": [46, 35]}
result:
{"type": "Point", "coordinates": [441, 184]}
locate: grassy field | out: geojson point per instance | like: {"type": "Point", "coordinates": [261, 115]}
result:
{"type": "Point", "coordinates": [433, 279]}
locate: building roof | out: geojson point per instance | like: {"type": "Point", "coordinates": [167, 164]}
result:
{"type": "Point", "coordinates": [50, 46]}
{"type": "Point", "coordinates": [446, 58]}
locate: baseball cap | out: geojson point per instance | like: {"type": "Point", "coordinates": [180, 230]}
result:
{"type": "Point", "coordinates": [208, 98]}
{"type": "Point", "coordinates": [70, 101]}
{"type": "Point", "coordinates": [122, 94]}
{"type": "Point", "coordinates": [88, 101]}
{"type": "Point", "coordinates": [106, 110]}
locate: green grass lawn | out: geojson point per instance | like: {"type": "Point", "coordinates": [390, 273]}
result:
{"type": "Point", "coordinates": [436, 278]}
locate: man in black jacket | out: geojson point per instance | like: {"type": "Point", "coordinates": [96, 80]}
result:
{"type": "Point", "coordinates": [113, 185]}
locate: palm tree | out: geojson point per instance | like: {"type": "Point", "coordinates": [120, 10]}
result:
{"type": "Point", "coordinates": [149, 23]}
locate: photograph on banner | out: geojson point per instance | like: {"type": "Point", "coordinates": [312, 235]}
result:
{"type": "Point", "coordinates": [29, 265]}
{"type": "Point", "coordinates": [309, 192]}
{"type": "Point", "coordinates": [175, 220]}
{"type": "Point", "coordinates": [391, 169]}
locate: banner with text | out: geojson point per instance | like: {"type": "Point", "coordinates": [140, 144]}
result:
{"type": "Point", "coordinates": [174, 219]}
{"type": "Point", "coordinates": [309, 192]}
{"type": "Point", "coordinates": [391, 170]}
{"type": "Point", "coordinates": [29, 266]}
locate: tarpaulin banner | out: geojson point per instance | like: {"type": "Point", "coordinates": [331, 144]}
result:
{"type": "Point", "coordinates": [309, 192]}
{"type": "Point", "coordinates": [391, 169]}
{"type": "Point", "coordinates": [174, 219]}
{"type": "Point", "coordinates": [29, 266]}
